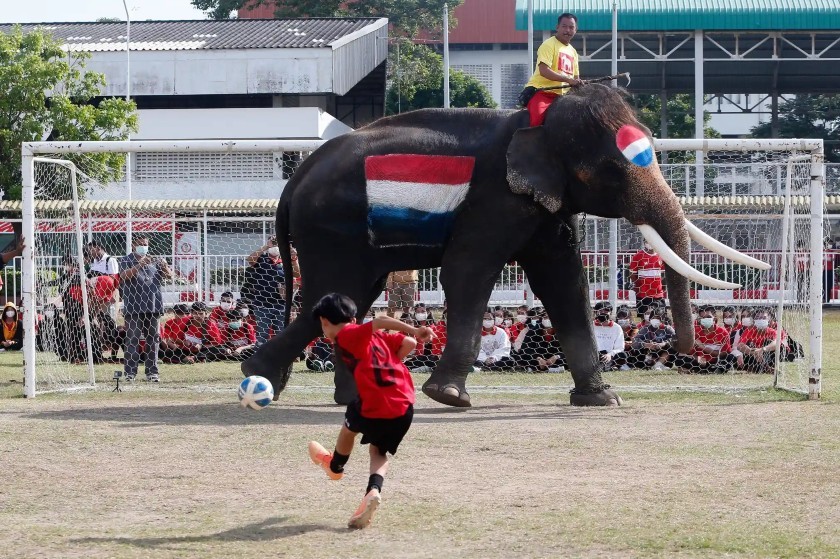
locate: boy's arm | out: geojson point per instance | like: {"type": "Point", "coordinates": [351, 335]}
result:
{"type": "Point", "coordinates": [407, 346]}
{"type": "Point", "coordinates": [424, 333]}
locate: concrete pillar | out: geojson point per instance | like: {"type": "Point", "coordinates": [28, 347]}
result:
{"type": "Point", "coordinates": [699, 187]}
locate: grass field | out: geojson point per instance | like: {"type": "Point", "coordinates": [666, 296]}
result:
{"type": "Point", "coordinates": [180, 470]}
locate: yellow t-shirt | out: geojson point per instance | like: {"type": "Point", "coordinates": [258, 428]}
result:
{"type": "Point", "coordinates": [561, 58]}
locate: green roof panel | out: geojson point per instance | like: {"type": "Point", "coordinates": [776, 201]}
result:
{"type": "Point", "coordinates": [675, 15]}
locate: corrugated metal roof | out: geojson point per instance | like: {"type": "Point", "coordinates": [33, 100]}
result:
{"type": "Point", "coordinates": [202, 34]}
{"type": "Point", "coordinates": [673, 15]}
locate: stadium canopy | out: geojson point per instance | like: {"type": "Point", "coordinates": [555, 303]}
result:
{"type": "Point", "coordinates": [772, 47]}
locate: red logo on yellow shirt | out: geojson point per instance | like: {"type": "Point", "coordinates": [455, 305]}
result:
{"type": "Point", "coordinates": [567, 64]}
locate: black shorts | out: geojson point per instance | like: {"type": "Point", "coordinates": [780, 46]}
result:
{"type": "Point", "coordinates": [384, 434]}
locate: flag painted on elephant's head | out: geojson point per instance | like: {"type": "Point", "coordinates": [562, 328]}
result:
{"type": "Point", "coordinates": [634, 145]}
{"type": "Point", "coordinates": [413, 199]}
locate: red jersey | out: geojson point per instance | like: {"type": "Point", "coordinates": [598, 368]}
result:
{"type": "Point", "coordinates": [755, 338]}
{"type": "Point", "coordinates": [717, 337]}
{"type": "Point", "coordinates": [245, 335]}
{"type": "Point", "coordinates": [439, 343]}
{"type": "Point", "coordinates": [515, 329]}
{"type": "Point", "coordinates": [207, 334]}
{"type": "Point", "coordinates": [173, 329]}
{"type": "Point", "coordinates": [384, 383]}
{"type": "Point", "coordinates": [219, 318]}
{"type": "Point", "coordinates": [648, 269]}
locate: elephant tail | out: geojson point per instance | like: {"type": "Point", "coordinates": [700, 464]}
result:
{"type": "Point", "coordinates": [283, 243]}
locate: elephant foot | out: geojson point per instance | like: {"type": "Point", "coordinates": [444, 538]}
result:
{"type": "Point", "coordinates": [603, 396]}
{"type": "Point", "coordinates": [447, 393]}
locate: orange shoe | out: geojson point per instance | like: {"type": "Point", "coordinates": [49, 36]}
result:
{"type": "Point", "coordinates": [322, 457]}
{"type": "Point", "coordinates": [364, 514]}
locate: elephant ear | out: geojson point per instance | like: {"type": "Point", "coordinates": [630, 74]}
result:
{"type": "Point", "coordinates": [532, 168]}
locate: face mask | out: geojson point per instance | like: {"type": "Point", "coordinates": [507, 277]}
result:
{"type": "Point", "coordinates": [225, 306]}
{"type": "Point", "coordinates": [762, 323]}
{"type": "Point", "coordinates": [647, 317]}
{"type": "Point", "coordinates": [729, 321]}
{"type": "Point", "coordinates": [498, 320]}
{"type": "Point", "coordinates": [546, 323]}
{"type": "Point", "coordinates": [488, 324]}
{"type": "Point", "coordinates": [244, 312]}
{"type": "Point", "coordinates": [421, 316]}
{"type": "Point", "coordinates": [49, 314]}
{"type": "Point", "coordinates": [694, 317]}
{"type": "Point", "coordinates": [367, 319]}
{"type": "Point", "coordinates": [623, 322]}
{"type": "Point", "coordinates": [235, 325]}
{"type": "Point", "coordinates": [274, 252]}
{"type": "Point", "coordinates": [707, 322]}
{"type": "Point", "coordinates": [522, 318]}
{"type": "Point", "coordinates": [648, 248]}
{"type": "Point", "coordinates": [603, 317]}
{"type": "Point", "coordinates": [11, 314]}
{"type": "Point", "coordinates": [655, 322]}
{"type": "Point", "coordinates": [141, 250]}
{"type": "Point", "coordinates": [747, 321]}
{"type": "Point", "coordinates": [508, 322]}
{"type": "Point", "coordinates": [535, 323]}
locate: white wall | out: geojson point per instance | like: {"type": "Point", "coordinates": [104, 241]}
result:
{"type": "Point", "coordinates": [203, 72]}
{"type": "Point", "coordinates": [234, 124]}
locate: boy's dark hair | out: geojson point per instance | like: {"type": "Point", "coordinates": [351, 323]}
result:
{"type": "Point", "coordinates": [622, 313]}
{"type": "Point", "coordinates": [199, 306]}
{"type": "Point", "coordinates": [233, 316]}
{"type": "Point", "coordinates": [707, 308]}
{"type": "Point", "coordinates": [181, 309]}
{"type": "Point", "coordinates": [603, 305]}
{"type": "Point", "coordinates": [568, 15]}
{"type": "Point", "coordinates": [336, 308]}
{"type": "Point", "coordinates": [729, 308]}
{"type": "Point", "coordinates": [228, 294]}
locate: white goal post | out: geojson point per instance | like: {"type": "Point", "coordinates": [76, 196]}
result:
{"type": "Point", "coordinates": [797, 206]}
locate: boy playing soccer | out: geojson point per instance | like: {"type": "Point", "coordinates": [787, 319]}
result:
{"type": "Point", "coordinates": [385, 406]}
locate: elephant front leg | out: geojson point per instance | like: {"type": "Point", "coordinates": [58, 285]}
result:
{"type": "Point", "coordinates": [467, 292]}
{"type": "Point", "coordinates": [558, 279]}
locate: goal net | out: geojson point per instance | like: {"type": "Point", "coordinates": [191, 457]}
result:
{"type": "Point", "coordinates": [205, 210]}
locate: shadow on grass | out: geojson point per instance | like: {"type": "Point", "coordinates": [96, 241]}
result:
{"type": "Point", "coordinates": [233, 415]}
{"type": "Point", "coordinates": [268, 530]}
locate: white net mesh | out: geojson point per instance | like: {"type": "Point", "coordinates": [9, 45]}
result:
{"type": "Point", "coordinates": [209, 290]}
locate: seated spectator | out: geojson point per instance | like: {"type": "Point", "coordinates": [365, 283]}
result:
{"type": "Point", "coordinates": [609, 337]}
{"type": "Point", "coordinates": [245, 313]}
{"type": "Point", "coordinates": [173, 346]}
{"type": "Point", "coordinates": [711, 351]}
{"type": "Point", "coordinates": [12, 339]}
{"type": "Point", "coordinates": [494, 354]}
{"type": "Point", "coordinates": [47, 330]}
{"type": "Point", "coordinates": [203, 340]}
{"type": "Point", "coordinates": [319, 355]}
{"type": "Point", "coordinates": [423, 359]}
{"type": "Point", "coordinates": [220, 313]}
{"type": "Point", "coordinates": [757, 345]}
{"type": "Point", "coordinates": [652, 345]}
{"type": "Point", "coordinates": [629, 329]}
{"type": "Point", "coordinates": [791, 350]}
{"type": "Point", "coordinates": [729, 319]}
{"type": "Point", "coordinates": [518, 322]}
{"type": "Point", "coordinates": [240, 337]}
{"type": "Point", "coordinates": [499, 316]}
{"type": "Point", "coordinates": [746, 320]}
{"type": "Point", "coordinates": [694, 313]}
{"type": "Point", "coordinates": [553, 360]}
{"type": "Point", "coordinates": [507, 320]}
{"type": "Point", "coordinates": [535, 346]}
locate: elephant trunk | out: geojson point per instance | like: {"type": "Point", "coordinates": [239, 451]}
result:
{"type": "Point", "coordinates": [669, 222]}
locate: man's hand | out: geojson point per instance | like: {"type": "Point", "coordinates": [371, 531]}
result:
{"type": "Point", "coordinates": [651, 345]}
{"type": "Point", "coordinates": [575, 82]}
{"type": "Point", "coordinates": [740, 361]}
{"type": "Point", "coordinates": [606, 357]}
{"type": "Point", "coordinates": [490, 361]}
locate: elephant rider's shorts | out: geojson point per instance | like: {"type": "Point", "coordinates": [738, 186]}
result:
{"type": "Point", "coordinates": [384, 434]}
{"type": "Point", "coordinates": [538, 105]}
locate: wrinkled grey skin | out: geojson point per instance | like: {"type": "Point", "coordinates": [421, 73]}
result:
{"type": "Point", "coordinates": [538, 179]}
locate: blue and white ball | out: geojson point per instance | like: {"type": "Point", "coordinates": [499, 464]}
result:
{"type": "Point", "coordinates": [255, 392]}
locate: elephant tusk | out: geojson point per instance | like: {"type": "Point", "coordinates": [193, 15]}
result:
{"type": "Point", "coordinates": [717, 247]}
{"type": "Point", "coordinates": [679, 265]}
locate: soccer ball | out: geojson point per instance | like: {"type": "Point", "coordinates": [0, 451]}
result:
{"type": "Point", "coordinates": [255, 392]}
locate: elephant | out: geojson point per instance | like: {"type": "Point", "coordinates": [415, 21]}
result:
{"type": "Point", "coordinates": [422, 189]}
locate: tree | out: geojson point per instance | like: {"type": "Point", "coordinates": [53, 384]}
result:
{"type": "Point", "coordinates": [45, 94]}
{"type": "Point", "coordinates": [808, 116]}
{"type": "Point", "coordinates": [680, 116]}
{"type": "Point", "coordinates": [407, 16]}
{"type": "Point", "coordinates": [416, 82]}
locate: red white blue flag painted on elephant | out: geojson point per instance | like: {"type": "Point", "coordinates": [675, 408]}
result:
{"type": "Point", "coordinates": [412, 199]}
{"type": "Point", "coordinates": [634, 145]}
